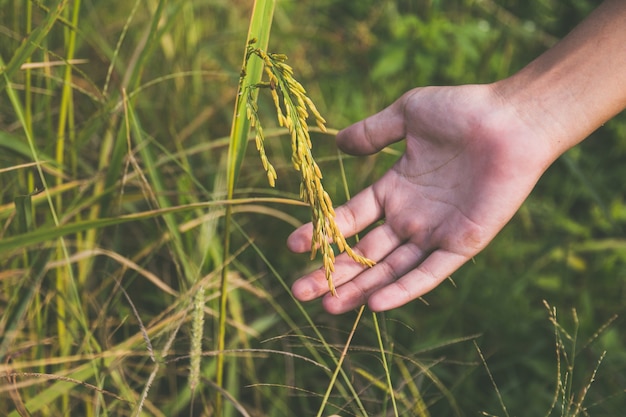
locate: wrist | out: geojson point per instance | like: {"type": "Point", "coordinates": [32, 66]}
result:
{"type": "Point", "coordinates": [516, 123]}
{"type": "Point", "coordinates": [577, 85]}
{"type": "Point", "coordinates": [539, 113]}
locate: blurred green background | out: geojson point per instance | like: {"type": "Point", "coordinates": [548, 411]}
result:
{"type": "Point", "coordinates": [180, 72]}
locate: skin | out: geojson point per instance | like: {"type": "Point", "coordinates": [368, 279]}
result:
{"type": "Point", "coordinates": [473, 154]}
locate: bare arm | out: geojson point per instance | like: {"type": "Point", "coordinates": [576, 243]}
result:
{"type": "Point", "coordinates": [473, 154]}
{"type": "Point", "coordinates": [580, 83]}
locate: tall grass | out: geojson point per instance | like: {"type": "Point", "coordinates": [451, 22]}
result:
{"type": "Point", "coordinates": [142, 269]}
{"type": "Point", "coordinates": [259, 31]}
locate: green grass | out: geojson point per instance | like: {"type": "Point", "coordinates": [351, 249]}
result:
{"type": "Point", "coordinates": [143, 270]}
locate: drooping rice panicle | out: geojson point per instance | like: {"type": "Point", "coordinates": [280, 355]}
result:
{"type": "Point", "coordinates": [292, 109]}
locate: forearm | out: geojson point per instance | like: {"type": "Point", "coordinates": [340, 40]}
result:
{"type": "Point", "coordinates": [576, 86]}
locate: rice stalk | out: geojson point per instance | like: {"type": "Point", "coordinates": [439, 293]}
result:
{"type": "Point", "coordinates": [259, 28]}
{"type": "Point", "coordinates": [292, 110]}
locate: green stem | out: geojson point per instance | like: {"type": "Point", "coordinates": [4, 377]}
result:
{"type": "Point", "coordinates": [260, 24]}
{"type": "Point", "coordinates": [344, 353]}
{"type": "Point", "coordinates": [66, 115]}
{"type": "Point", "coordinates": [383, 357]}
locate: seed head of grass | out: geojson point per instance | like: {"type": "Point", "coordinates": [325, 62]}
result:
{"type": "Point", "coordinates": [293, 108]}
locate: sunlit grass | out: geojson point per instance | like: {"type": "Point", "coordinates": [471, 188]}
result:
{"type": "Point", "coordinates": [118, 292]}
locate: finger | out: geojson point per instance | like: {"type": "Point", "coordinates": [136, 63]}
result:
{"type": "Point", "coordinates": [376, 245]}
{"type": "Point", "coordinates": [429, 274]}
{"type": "Point", "coordinates": [351, 218]}
{"type": "Point", "coordinates": [374, 133]}
{"type": "Point", "coordinates": [355, 293]}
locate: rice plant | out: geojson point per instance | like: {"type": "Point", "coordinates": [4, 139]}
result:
{"type": "Point", "coordinates": [142, 269]}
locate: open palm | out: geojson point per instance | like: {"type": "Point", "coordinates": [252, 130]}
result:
{"type": "Point", "coordinates": [469, 163]}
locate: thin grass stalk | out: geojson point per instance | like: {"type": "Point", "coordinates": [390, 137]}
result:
{"type": "Point", "coordinates": [570, 382]}
{"type": "Point", "coordinates": [236, 310]}
{"type": "Point", "coordinates": [30, 43]}
{"type": "Point", "coordinates": [383, 357]}
{"type": "Point", "coordinates": [189, 271]}
{"type": "Point", "coordinates": [583, 394]}
{"type": "Point", "coordinates": [30, 178]}
{"type": "Point", "coordinates": [28, 97]}
{"type": "Point", "coordinates": [83, 372]}
{"type": "Point", "coordinates": [41, 235]}
{"type": "Point", "coordinates": [557, 385]}
{"type": "Point", "coordinates": [493, 381]}
{"type": "Point", "coordinates": [259, 29]}
{"type": "Point", "coordinates": [65, 116]}
{"type": "Point", "coordinates": [118, 46]}
{"type": "Point", "coordinates": [20, 301]}
{"type": "Point", "coordinates": [112, 153]}
{"type": "Point", "coordinates": [72, 290]}
{"type": "Point", "coordinates": [157, 195]}
{"type": "Point", "coordinates": [69, 135]}
{"type": "Point", "coordinates": [158, 191]}
{"type": "Point", "coordinates": [132, 77]}
{"type": "Point", "coordinates": [112, 149]}
{"type": "Point", "coordinates": [17, 106]}
{"type": "Point", "coordinates": [296, 329]}
{"type": "Point", "coordinates": [344, 353]}
{"type": "Point", "coordinates": [416, 403]}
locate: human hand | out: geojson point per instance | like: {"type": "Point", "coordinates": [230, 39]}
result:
{"type": "Point", "coordinates": [470, 162]}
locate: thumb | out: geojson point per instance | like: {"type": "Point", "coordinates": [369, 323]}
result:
{"type": "Point", "coordinates": [376, 132]}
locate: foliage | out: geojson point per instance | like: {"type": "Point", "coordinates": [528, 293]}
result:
{"type": "Point", "coordinates": [114, 135]}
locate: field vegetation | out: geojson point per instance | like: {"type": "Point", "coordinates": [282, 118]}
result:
{"type": "Point", "coordinates": [143, 266]}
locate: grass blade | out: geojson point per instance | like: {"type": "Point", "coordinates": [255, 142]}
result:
{"type": "Point", "coordinates": [259, 31]}
{"type": "Point", "coordinates": [260, 24]}
{"type": "Point", "coordinates": [32, 42]}
{"type": "Point", "coordinates": [383, 357]}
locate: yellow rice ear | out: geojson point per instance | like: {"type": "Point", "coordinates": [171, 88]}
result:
{"type": "Point", "coordinates": [292, 111]}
